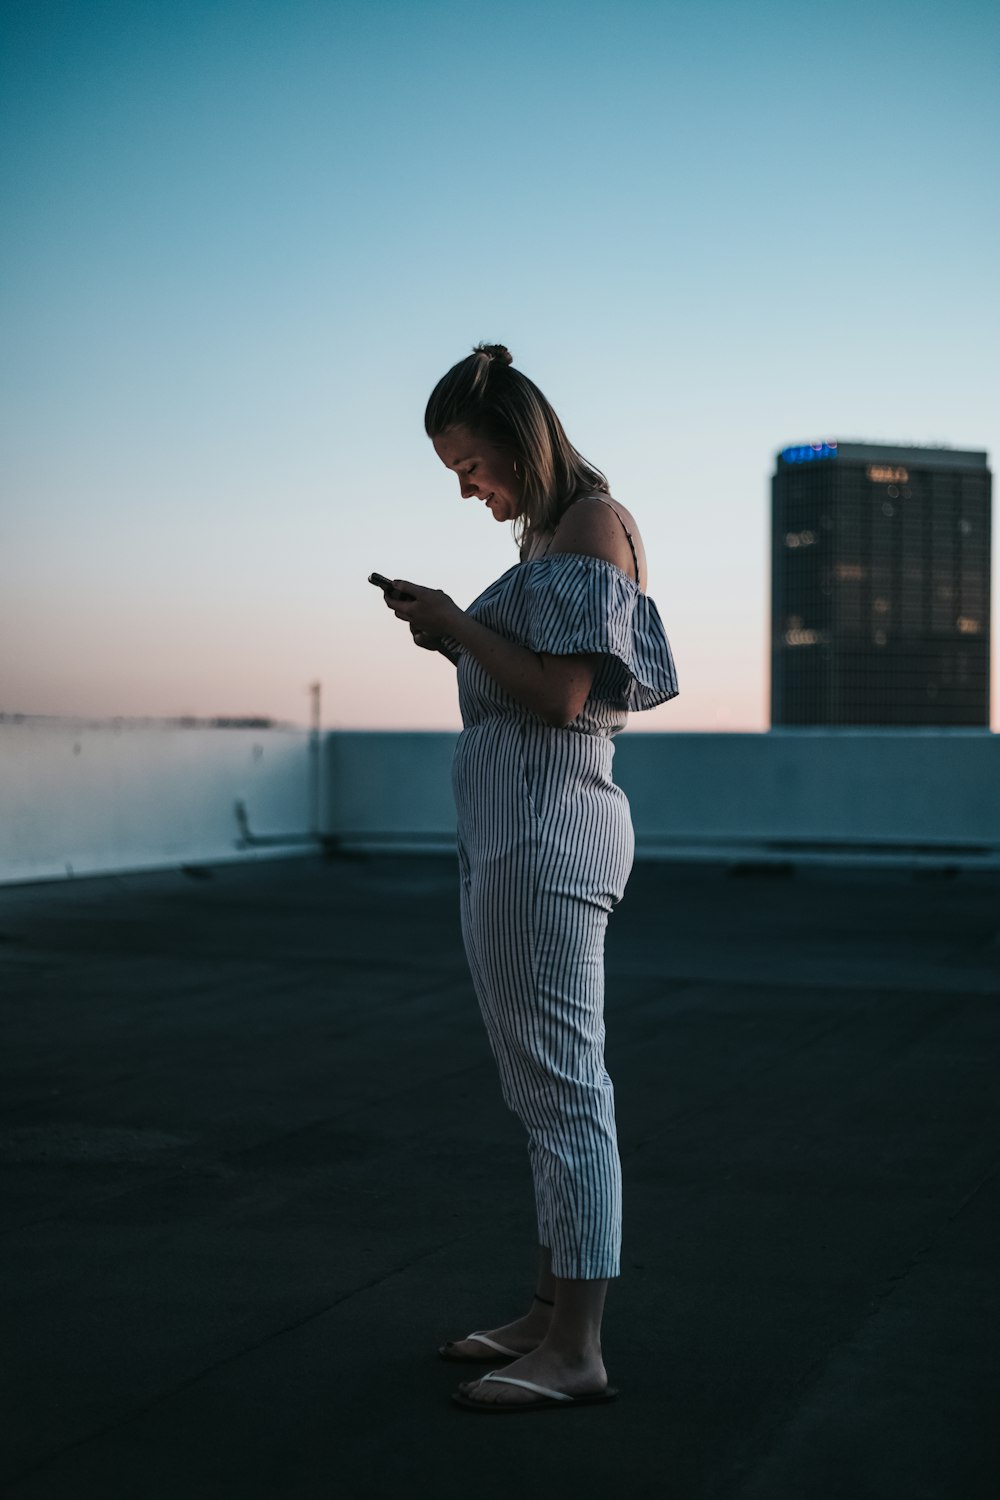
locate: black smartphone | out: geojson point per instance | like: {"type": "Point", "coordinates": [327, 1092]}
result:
{"type": "Point", "coordinates": [385, 584]}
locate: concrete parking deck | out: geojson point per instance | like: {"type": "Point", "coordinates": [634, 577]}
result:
{"type": "Point", "coordinates": [257, 1167]}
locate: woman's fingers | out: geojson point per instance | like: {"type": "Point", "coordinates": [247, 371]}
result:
{"type": "Point", "coordinates": [405, 608]}
{"type": "Point", "coordinates": [428, 610]}
{"type": "Point", "coordinates": [402, 608]}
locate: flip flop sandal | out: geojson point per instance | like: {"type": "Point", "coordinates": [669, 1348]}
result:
{"type": "Point", "coordinates": [479, 1359]}
{"type": "Point", "coordinates": [547, 1400]}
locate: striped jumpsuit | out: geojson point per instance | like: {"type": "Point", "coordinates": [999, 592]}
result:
{"type": "Point", "coordinates": [545, 847]}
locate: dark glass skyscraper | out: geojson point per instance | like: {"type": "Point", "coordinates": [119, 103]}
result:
{"type": "Point", "coordinates": [880, 586]}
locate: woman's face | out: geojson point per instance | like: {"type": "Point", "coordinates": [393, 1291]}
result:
{"type": "Point", "coordinates": [485, 472]}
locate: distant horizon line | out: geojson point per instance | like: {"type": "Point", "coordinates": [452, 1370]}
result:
{"type": "Point", "coordinates": [261, 721]}
{"type": "Point", "coordinates": [182, 721]}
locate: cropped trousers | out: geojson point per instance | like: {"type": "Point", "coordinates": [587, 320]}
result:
{"type": "Point", "coordinates": [545, 847]}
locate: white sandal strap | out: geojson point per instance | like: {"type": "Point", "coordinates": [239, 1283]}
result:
{"type": "Point", "coordinates": [482, 1339]}
{"type": "Point", "coordinates": [529, 1385]}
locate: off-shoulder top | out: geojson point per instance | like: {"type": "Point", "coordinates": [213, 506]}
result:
{"type": "Point", "coordinates": [568, 603]}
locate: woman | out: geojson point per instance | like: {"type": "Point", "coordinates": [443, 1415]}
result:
{"type": "Point", "coordinates": [550, 659]}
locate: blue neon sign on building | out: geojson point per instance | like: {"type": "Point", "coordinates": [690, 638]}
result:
{"type": "Point", "coordinates": [806, 453]}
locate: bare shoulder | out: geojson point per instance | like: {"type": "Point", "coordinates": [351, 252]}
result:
{"type": "Point", "coordinates": [591, 527]}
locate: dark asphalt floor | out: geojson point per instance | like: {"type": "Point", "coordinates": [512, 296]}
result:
{"type": "Point", "coordinates": [256, 1168]}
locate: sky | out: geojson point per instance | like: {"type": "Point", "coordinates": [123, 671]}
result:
{"type": "Point", "coordinates": [242, 242]}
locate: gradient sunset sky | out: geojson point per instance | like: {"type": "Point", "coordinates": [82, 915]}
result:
{"type": "Point", "coordinates": [243, 240]}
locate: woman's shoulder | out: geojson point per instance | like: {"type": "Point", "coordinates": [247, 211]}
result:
{"type": "Point", "coordinates": [599, 526]}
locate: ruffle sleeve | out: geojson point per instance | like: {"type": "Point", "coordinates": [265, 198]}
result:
{"type": "Point", "coordinates": [576, 603]}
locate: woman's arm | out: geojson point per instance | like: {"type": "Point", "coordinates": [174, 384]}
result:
{"type": "Point", "coordinates": [553, 687]}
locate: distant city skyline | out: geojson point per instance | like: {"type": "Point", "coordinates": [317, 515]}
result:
{"type": "Point", "coordinates": [245, 240]}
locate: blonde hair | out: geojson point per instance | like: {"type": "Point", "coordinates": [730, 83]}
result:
{"type": "Point", "coordinates": [484, 393]}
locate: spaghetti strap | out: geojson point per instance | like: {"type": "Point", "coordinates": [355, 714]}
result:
{"type": "Point", "coordinates": [628, 533]}
{"type": "Point", "coordinates": [604, 501]}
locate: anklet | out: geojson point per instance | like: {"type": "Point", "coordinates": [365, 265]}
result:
{"type": "Point", "coordinates": [545, 1300]}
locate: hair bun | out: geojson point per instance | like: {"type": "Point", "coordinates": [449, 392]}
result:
{"type": "Point", "coordinates": [499, 352]}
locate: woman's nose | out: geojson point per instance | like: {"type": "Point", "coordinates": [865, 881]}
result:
{"type": "Point", "coordinates": [468, 490]}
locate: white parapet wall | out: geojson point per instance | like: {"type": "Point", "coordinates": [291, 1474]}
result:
{"type": "Point", "coordinates": [819, 790]}
{"type": "Point", "coordinates": [81, 798]}
{"type": "Point", "coordinates": [389, 789]}
{"type": "Point", "coordinates": [817, 794]}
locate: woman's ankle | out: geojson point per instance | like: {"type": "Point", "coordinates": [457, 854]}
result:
{"type": "Point", "coordinates": [573, 1348]}
{"type": "Point", "coordinates": [538, 1317]}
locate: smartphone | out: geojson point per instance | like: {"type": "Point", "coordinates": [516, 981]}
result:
{"type": "Point", "coordinates": [385, 584]}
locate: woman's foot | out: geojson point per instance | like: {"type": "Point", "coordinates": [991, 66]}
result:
{"type": "Point", "coordinates": [573, 1375]}
{"type": "Point", "coordinates": [523, 1335]}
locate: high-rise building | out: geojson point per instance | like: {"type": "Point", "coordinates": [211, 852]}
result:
{"type": "Point", "coordinates": [880, 586]}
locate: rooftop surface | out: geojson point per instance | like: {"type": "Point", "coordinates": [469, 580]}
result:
{"type": "Point", "coordinates": [257, 1168]}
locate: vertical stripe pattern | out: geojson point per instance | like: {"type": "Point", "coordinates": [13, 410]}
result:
{"type": "Point", "coordinates": [545, 847]}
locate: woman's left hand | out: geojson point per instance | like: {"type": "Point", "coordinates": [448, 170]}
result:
{"type": "Point", "coordinates": [432, 611]}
